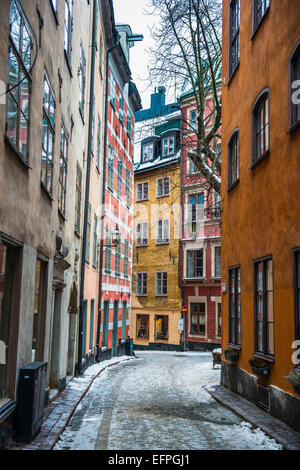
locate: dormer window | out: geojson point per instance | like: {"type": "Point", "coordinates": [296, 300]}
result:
{"type": "Point", "coordinates": [168, 146]}
{"type": "Point", "coordinates": [147, 152]}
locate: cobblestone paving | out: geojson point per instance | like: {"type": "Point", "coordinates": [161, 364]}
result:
{"type": "Point", "coordinates": [158, 402]}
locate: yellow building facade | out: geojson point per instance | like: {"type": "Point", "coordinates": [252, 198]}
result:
{"type": "Point", "coordinates": [156, 295]}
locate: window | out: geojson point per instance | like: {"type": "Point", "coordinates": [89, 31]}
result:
{"type": "Point", "coordinates": [118, 259]}
{"type": "Point", "coordinates": [92, 313]}
{"type": "Point", "coordinates": [120, 179]}
{"type": "Point", "coordinates": [192, 167]}
{"type": "Point", "coordinates": [192, 120]}
{"type": "Point", "coordinates": [142, 326]}
{"type": "Point", "coordinates": [128, 125]}
{"type": "Point", "coordinates": [235, 333]}
{"type": "Point", "coordinates": [98, 142]}
{"type": "Point", "coordinates": [112, 90]}
{"type": "Point", "coordinates": [219, 319]}
{"type": "Point", "coordinates": [107, 265]}
{"type": "Point", "coordinates": [142, 234]}
{"type": "Point", "coordinates": [264, 309]}
{"type": "Point", "coordinates": [95, 245]}
{"type": "Point", "coordinates": [110, 175]}
{"type": "Point", "coordinates": [82, 81]}
{"type": "Point", "coordinates": [142, 284]}
{"type": "Point", "coordinates": [124, 318]}
{"type": "Point", "coordinates": [105, 323]}
{"type": "Point", "coordinates": [217, 263]}
{"type": "Point", "coordinates": [88, 234]}
{"type": "Point", "coordinates": [147, 152]}
{"type": "Point", "coordinates": [93, 125]}
{"type": "Point", "coordinates": [234, 45]}
{"type": "Point", "coordinates": [198, 319]}
{"type": "Point", "coordinates": [261, 128]}
{"type": "Point", "coordinates": [7, 268]}
{"type": "Point", "coordinates": [297, 292]}
{"type": "Point", "coordinates": [161, 283]}
{"type": "Point", "coordinates": [168, 146]}
{"type": "Point", "coordinates": [162, 187]}
{"type": "Point", "coordinates": [68, 29]}
{"type": "Point", "coordinates": [295, 86]}
{"type": "Point", "coordinates": [161, 327]}
{"type": "Point", "coordinates": [38, 312]}
{"type": "Point", "coordinates": [260, 7]}
{"type": "Point", "coordinates": [48, 137]}
{"type": "Point", "coordinates": [126, 257]}
{"type": "Point", "coordinates": [142, 190]}
{"type": "Point", "coordinates": [127, 187]}
{"type": "Point", "coordinates": [62, 171]}
{"type": "Point", "coordinates": [195, 210]}
{"type": "Point", "coordinates": [194, 266]}
{"type": "Point", "coordinates": [233, 160]}
{"type": "Point", "coordinates": [162, 231]}
{"type": "Point", "coordinates": [121, 108]}
{"type": "Point", "coordinates": [78, 199]}
{"type": "Point", "coordinates": [18, 97]}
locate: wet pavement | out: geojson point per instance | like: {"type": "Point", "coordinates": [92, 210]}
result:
{"type": "Point", "coordinates": [158, 402]}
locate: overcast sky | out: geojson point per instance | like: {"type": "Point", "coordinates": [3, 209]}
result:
{"type": "Point", "coordinates": [131, 12]}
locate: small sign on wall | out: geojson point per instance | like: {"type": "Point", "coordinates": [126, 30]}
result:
{"type": "Point", "coordinates": [180, 324]}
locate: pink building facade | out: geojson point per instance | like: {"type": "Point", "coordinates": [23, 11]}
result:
{"type": "Point", "coordinates": [200, 245]}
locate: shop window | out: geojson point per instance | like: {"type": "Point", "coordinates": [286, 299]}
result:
{"type": "Point", "coordinates": [198, 319]}
{"type": "Point", "coordinates": [142, 326]}
{"type": "Point", "coordinates": [161, 327]}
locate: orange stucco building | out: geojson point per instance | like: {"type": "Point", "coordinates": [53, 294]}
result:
{"type": "Point", "coordinates": [261, 202]}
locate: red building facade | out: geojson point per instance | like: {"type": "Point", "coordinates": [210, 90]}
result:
{"type": "Point", "coordinates": [123, 101]}
{"type": "Point", "coordinates": [200, 246]}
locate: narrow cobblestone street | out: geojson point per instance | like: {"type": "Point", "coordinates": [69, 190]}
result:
{"type": "Point", "coordinates": [157, 402]}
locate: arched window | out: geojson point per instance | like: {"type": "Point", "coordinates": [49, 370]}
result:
{"type": "Point", "coordinates": [233, 159]}
{"type": "Point", "coordinates": [295, 85]}
{"type": "Point", "coordinates": [261, 126]}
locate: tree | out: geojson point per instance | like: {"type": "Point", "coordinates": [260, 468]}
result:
{"type": "Point", "coordinates": [188, 52]}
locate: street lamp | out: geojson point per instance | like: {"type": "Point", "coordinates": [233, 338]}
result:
{"type": "Point", "coordinates": [116, 236]}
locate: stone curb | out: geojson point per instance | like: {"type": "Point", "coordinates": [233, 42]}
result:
{"type": "Point", "coordinates": [55, 421]}
{"type": "Point", "coordinates": [277, 430]}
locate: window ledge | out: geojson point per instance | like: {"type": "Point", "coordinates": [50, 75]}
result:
{"type": "Point", "coordinates": [260, 159]}
{"type": "Point", "coordinates": [266, 358]}
{"type": "Point", "coordinates": [294, 127]}
{"type": "Point", "coordinates": [233, 74]}
{"type": "Point", "coordinates": [233, 185]}
{"type": "Point", "coordinates": [142, 200]}
{"type": "Point", "coordinates": [7, 406]}
{"type": "Point", "coordinates": [141, 246]}
{"type": "Point", "coordinates": [237, 347]}
{"type": "Point", "coordinates": [68, 63]}
{"type": "Point", "coordinates": [17, 153]}
{"type": "Point", "coordinates": [45, 190]}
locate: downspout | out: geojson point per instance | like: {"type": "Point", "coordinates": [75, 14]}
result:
{"type": "Point", "coordinates": [87, 190]}
{"type": "Point", "coordinates": [103, 194]}
{"type": "Point", "coordinates": [181, 228]}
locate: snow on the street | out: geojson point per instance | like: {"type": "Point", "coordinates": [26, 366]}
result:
{"type": "Point", "coordinates": [158, 402]}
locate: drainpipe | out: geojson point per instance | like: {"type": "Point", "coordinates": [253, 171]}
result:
{"type": "Point", "coordinates": [103, 192]}
{"type": "Point", "coordinates": [180, 243]}
{"type": "Point", "coordinates": [87, 190]}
